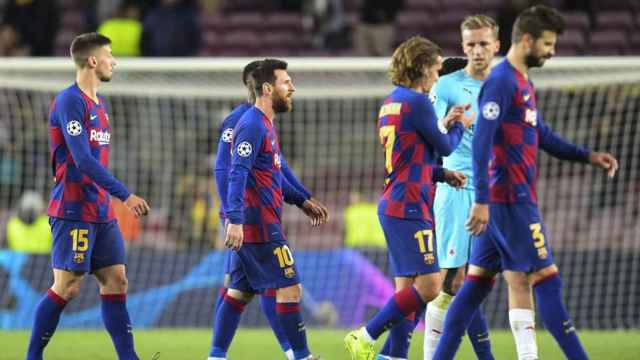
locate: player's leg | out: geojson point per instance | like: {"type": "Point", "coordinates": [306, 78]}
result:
{"type": "Point", "coordinates": [108, 266]}
{"type": "Point", "coordinates": [66, 286]}
{"type": "Point", "coordinates": [268, 305]}
{"type": "Point", "coordinates": [484, 263]}
{"type": "Point", "coordinates": [522, 315]}
{"type": "Point", "coordinates": [527, 250]}
{"type": "Point", "coordinates": [411, 245]}
{"type": "Point", "coordinates": [72, 247]}
{"type": "Point", "coordinates": [397, 344]}
{"type": "Point", "coordinates": [548, 289]}
{"type": "Point", "coordinates": [227, 319]}
{"type": "Point", "coordinates": [226, 266]}
{"type": "Point", "coordinates": [290, 317]}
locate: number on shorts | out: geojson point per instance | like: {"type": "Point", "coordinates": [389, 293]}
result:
{"type": "Point", "coordinates": [79, 238]}
{"type": "Point", "coordinates": [538, 239]}
{"type": "Point", "coordinates": [426, 248]}
{"type": "Point", "coordinates": [285, 258]}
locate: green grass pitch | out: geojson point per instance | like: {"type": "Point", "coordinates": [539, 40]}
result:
{"type": "Point", "coordinates": [250, 344]}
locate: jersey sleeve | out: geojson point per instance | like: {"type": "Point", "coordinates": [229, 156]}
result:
{"type": "Point", "coordinates": [437, 174]}
{"type": "Point", "coordinates": [291, 194]}
{"type": "Point", "coordinates": [493, 101]}
{"type": "Point", "coordinates": [247, 141]}
{"type": "Point", "coordinates": [423, 118]}
{"type": "Point", "coordinates": [70, 111]}
{"type": "Point", "coordinates": [558, 147]}
{"type": "Point", "coordinates": [292, 179]}
{"type": "Point", "coordinates": [222, 164]}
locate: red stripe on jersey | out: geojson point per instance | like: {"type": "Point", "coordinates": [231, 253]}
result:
{"type": "Point", "coordinates": [512, 133]}
{"type": "Point", "coordinates": [89, 211]}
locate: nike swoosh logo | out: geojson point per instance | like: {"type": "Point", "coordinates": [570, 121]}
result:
{"type": "Point", "coordinates": [93, 117]}
{"type": "Point", "coordinates": [526, 98]}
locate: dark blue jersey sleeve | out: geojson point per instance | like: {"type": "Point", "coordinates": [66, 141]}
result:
{"type": "Point", "coordinates": [291, 194]}
{"type": "Point", "coordinates": [70, 112]}
{"type": "Point", "coordinates": [423, 118]}
{"type": "Point", "coordinates": [558, 147]}
{"type": "Point", "coordinates": [222, 186]}
{"type": "Point", "coordinates": [493, 101]}
{"type": "Point", "coordinates": [438, 174]}
{"type": "Point", "coordinates": [247, 140]}
{"type": "Point", "coordinates": [292, 179]}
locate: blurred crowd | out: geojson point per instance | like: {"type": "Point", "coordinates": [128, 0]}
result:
{"type": "Point", "coordinates": [252, 27]}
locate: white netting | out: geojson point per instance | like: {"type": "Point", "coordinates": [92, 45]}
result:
{"type": "Point", "coordinates": [165, 116]}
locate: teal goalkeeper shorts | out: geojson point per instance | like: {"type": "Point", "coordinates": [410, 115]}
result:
{"type": "Point", "coordinates": [451, 209]}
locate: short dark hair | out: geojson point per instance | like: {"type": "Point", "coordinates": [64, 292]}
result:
{"type": "Point", "coordinates": [266, 73]}
{"type": "Point", "coordinates": [84, 44]}
{"type": "Point", "coordinates": [248, 70]}
{"type": "Point", "coordinates": [535, 20]}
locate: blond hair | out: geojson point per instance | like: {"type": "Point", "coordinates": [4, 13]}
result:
{"type": "Point", "coordinates": [410, 58]}
{"type": "Point", "coordinates": [479, 21]}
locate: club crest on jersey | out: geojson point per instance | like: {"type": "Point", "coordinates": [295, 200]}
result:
{"type": "Point", "coordinates": [531, 117]}
{"type": "Point", "coordinates": [101, 137]}
{"type": "Point", "coordinates": [491, 110]}
{"type": "Point", "coordinates": [244, 149]}
{"type": "Point", "coordinates": [74, 128]}
{"type": "Point", "coordinates": [227, 135]}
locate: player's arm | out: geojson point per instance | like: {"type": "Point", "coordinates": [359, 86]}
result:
{"type": "Point", "coordinates": [292, 179]}
{"type": "Point", "coordinates": [70, 110]}
{"type": "Point", "coordinates": [248, 136]}
{"type": "Point", "coordinates": [454, 178]}
{"type": "Point", "coordinates": [493, 101]}
{"type": "Point", "coordinates": [560, 148]}
{"type": "Point", "coordinates": [425, 121]}
{"type": "Point", "coordinates": [221, 168]}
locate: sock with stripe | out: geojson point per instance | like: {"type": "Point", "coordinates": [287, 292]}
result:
{"type": "Point", "coordinates": [555, 317]}
{"type": "Point", "coordinates": [293, 325]}
{"type": "Point", "coordinates": [116, 320]}
{"type": "Point", "coordinates": [460, 313]}
{"type": "Point", "coordinates": [402, 304]}
{"type": "Point", "coordinates": [46, 320]}
{"type": "Point", "coordinates": [226, 324]}
{"type": "Point", "coordinates": [268, 304]}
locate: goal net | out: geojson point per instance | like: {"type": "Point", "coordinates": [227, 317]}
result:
{"type": "Point", "coordinates": [166, 116]}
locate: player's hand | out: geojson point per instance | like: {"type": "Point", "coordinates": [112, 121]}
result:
{"type": "Point", "coordinates": [604, 161]}
{"type": "Point", "coordinates": [137, 205]}
{"type": "Point", "coordinates": [456, 113]}
{"type": "Point", "coordinates": [316, 211]}
{"type": "Point", "coordinates": [234, 237]}
{"type": "Point", "coordinates": [478, 219]}
{"type": "Point", "coordinates": [455, 179]}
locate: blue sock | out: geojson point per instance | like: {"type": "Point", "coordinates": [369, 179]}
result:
{"type": "Point", "coordinates": [555, 317]}
{"type": "Point", "coordinates": [460, 313]}
{"type": "Point", "coordinates": [401, 337]}
{"type": "Point", "coordinates": [116, 319]}
{"type": "Point", "coordinates": [478, 332]}
{"type": "Point", "coordinates": [219, 300]}
{"type": "Point", "coordinates": [268, 303]}
{"type": "Point", "coordinates": [226, 324]}
{"type": "Point", "coordinates": [386, 348]}
{"type": "Point", "coordinates": [292, 324]}
{"type": "Point", "coordinates": [403, 303]}
{"type": "Point", "coordinates": [44, 324]}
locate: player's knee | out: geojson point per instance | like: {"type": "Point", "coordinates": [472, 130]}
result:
{"type": "Point", "coordinates": [291, 294]}
{"type": "Point", "coordinates": [245, 297]}
{"type": "Point", "coordinates": [117, 284]}
{"type": "Point", "coordinates": [427, 287]}
{"type": "Point", "coordinates": [69, 290]}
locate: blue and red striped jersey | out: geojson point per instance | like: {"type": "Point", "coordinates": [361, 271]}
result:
{"type": "Point", "coordinates": [294, 191]}
{"type": "Point", "coordinates": [80, 136]}
{"type": "Point", "coordinates": [509, 131]}
{"type": "Point", "coordinates": [408, 129]}
{"type": "Point", "coordinates": [255, 194]}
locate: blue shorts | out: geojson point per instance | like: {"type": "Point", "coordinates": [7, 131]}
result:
{"type": "Point", "coordinates": [514, 240]}
{"type": "Point", "coordinates": [411, 245]}
{"type": "Point", "coordinates": [85, 247]}
{"type": "Point", "coordinates": [451, 210]}
{"type": "Point", "coordinates": [257, 267]}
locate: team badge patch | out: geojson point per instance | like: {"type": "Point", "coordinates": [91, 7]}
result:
{"type": "Point", "coordinates": [491, 110]}
{"type": "Point", "coordinates": [244, 149]}
{"type": "Point", "coordinates": [227, 135]}
{"type": "Point", "coordinates": [74, 128]}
